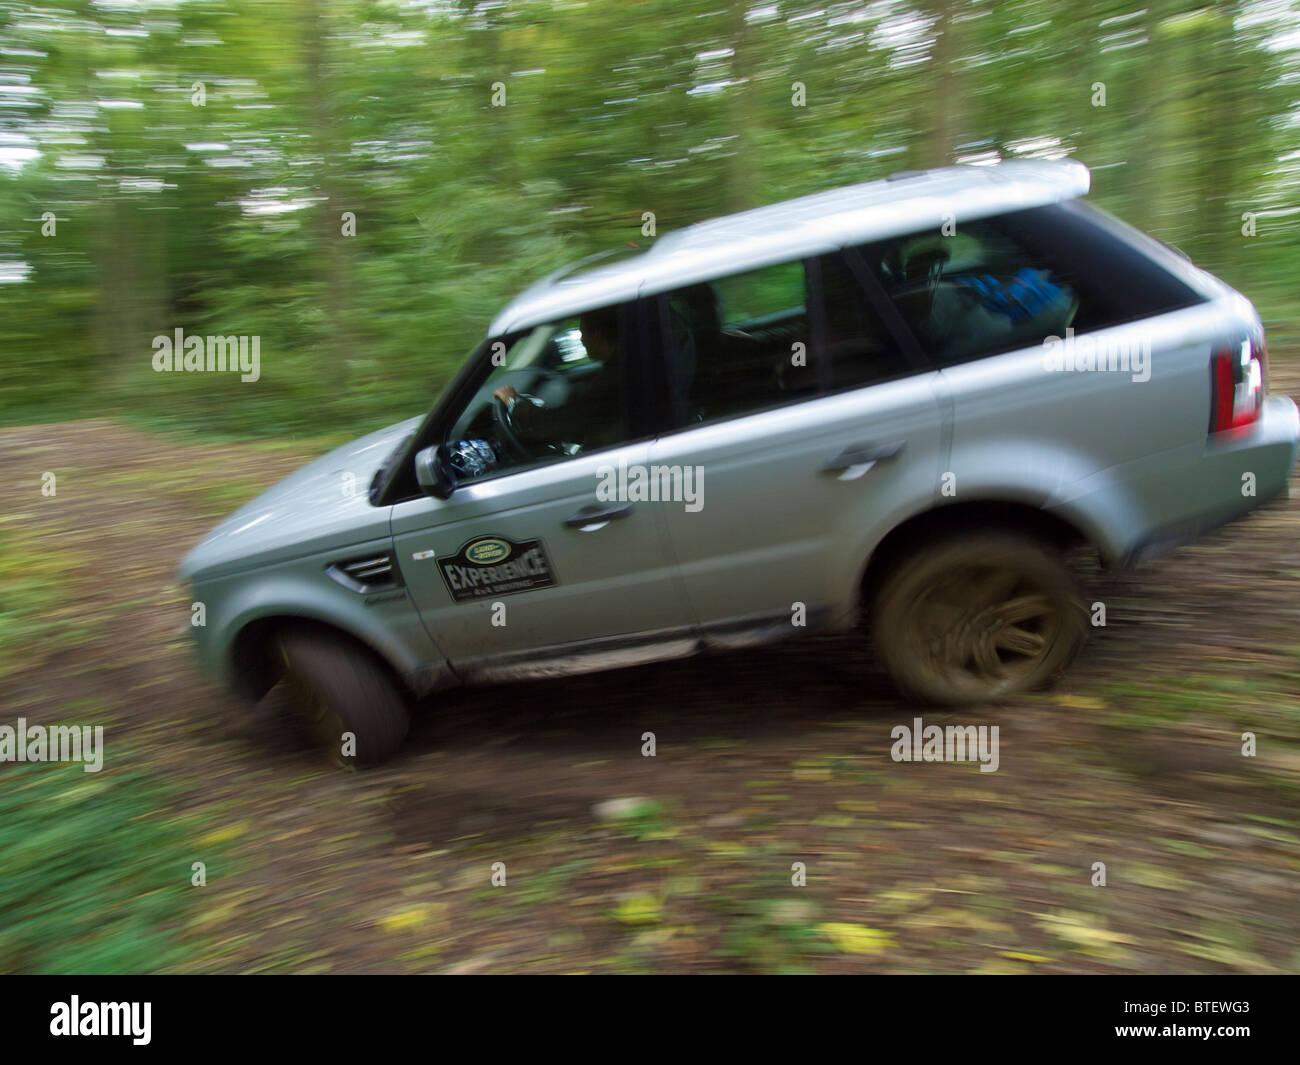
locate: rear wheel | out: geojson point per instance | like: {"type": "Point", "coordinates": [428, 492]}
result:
{"type": "Point", "coordinates": [977, 618]}
{"type": "Point", "coordinates": [345, 698]}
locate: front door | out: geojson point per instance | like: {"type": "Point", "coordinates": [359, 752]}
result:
{"type": "Point", "coordinates": [533, 557]}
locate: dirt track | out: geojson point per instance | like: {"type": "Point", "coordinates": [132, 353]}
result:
{"type": "Point", "coordinates": [765, 759]}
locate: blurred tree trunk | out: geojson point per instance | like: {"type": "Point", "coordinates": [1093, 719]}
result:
{"type": "Point", "coordinates": [498, 145]}
{"type": "Point", "coordinates": [1152, 129]}
{"type": "Point", "coordinates": [1220, 139]}
{"type": "Point", "coordinates": [743, 164]}
{"type": "Point", "coordinates": [1079, 71]}
{"type": "Point", "coordinates": [116, 269]}
{"type": "Point", "coordinates": [332, 254]}
{"type": "Point", "coordinates": [944, 100]}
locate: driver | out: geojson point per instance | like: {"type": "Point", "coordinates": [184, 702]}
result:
{"type": "Point", "coordinates": [590, 417]}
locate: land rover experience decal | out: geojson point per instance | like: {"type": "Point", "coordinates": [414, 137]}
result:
{"type": "Point", "coordinates": [493, 565]}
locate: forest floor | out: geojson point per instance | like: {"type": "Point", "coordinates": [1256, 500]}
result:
{"type": "Point", "coordinates": [765, 759]}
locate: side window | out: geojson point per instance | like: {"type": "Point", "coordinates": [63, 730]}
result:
{"type": "Point", "coordinates": [747, 342]}
{"type": "Point", "coordinates": [735, 344]}
{"type": "Point", "coordinates": [554, 391]}
{"type": "Point", "coordinates": [975, 292]}
{"type": "Point", "coordinates": [1013, 280]}
{"type": "Point", "coordinates": [857, 347]}
{"type": "Point", "coordinates": [1114, 281]}
{"type": "Point", "coordinates": [745, 300]}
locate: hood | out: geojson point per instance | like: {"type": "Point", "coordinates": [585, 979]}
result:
{"type": "Point", "coordinates": [322, 506]}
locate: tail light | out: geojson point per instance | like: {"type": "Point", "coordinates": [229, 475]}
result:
{"type": "Point", "coordinates": [1237, 377]}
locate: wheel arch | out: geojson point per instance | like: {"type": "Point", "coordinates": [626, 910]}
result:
{"type": "Point", "coordinates": [254, 666]}
{"type": "Point", "coordinates": [963, 517]}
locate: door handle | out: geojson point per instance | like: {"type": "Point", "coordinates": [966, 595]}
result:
{"type": "Point", "coordinates": [591, 518]}
{"type": "Point", "coordinates": [857, 459]}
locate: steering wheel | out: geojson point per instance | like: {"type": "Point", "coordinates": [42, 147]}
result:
{"type": "Point", "coordinates": [506, 431]}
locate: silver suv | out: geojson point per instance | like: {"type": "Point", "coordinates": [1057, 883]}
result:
{"type": "Point", "coordinates": [894, 405]}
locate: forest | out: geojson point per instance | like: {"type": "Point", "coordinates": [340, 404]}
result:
{"type": "Point", "coordinates": [360, 184]}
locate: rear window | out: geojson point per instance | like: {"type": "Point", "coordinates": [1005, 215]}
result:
{"type": "Point", "coordinates": [1008, 282]}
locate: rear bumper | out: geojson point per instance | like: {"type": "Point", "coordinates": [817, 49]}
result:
{"type": "Point", "coordinates": [1154, 504]}
{"type": "Point", "coordinates": [1235, 474]}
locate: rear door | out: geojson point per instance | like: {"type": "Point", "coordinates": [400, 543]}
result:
{"type": "Point", "coordinates": [1062, 348]}
{"type": "Point", "coordinates": [807, 426]}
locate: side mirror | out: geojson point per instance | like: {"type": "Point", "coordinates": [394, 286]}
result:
{"type": "Point", "coordinates": [433, 473]}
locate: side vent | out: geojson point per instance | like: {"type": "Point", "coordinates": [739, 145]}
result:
{"type": "Point", "coordinates": [373, 573]}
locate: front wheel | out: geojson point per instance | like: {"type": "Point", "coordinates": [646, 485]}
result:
{"type": "Point", "coordinates": [344, 696]}
{"type": "Point", "coordinates": [977, 618]}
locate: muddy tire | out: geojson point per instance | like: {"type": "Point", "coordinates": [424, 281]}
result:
{"type": "Point", "coordinates": [337, 686]}
{"type": "Point", "coordinates": [970, 619]}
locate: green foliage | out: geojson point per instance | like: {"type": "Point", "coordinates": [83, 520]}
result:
{"type": "Point", "coordinates": [228, 218]}
{"type": "Point", "coordinates": [1168, 702]}
{"type": "Point", "coordinates": [96, 872]}
{"type": "Point", "coordinates": [35, 608]}
{"type": "Point", "coordinates": [777, 935]}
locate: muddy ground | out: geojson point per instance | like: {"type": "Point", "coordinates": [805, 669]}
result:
{"type": "Point", "coordinates": [764, 759]}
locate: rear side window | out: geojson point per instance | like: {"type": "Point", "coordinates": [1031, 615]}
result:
{"type": "Point", "coordinates": [772, 336]}
{"type": "Point", "coordinates": [1007, 282]}
{"type": "Point", "coordinates": [1117, 283]}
